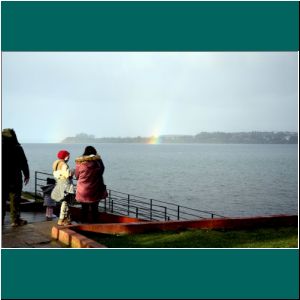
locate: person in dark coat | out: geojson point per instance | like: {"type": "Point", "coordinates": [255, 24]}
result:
{"type": "Point", "coordinates": [14, 167]}
{"type": "Point", "coordinates": [90, 185]}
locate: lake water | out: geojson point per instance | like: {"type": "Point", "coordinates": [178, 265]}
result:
{"type": "Point", "coordinates": [232, 180]}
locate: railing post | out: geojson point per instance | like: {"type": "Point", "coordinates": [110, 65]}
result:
{"type": "Point", "coordinates": [35, 185]}
{"type": "Point", "coordinates": [112, 206]}
{"type": "Point", "coordinates": [109, 200]}
{"type": "Point", "coordinates": [150, 209]}
{"type": "Point", "coordinates": [128, 211]}
{"type": "Point", "coordinates": [137, 212]}
{"type": "Point", "coordinates": [105, 204]}
{"type": "Point", "coordinates": [165, 213]}
{"type": "Point", "coordinates": [178, 212]}
{"type": "Point", "coordinates": [212, 216]}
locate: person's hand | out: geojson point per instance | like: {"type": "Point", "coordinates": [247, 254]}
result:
{"type": "Point", "coordinates": [26, 180]}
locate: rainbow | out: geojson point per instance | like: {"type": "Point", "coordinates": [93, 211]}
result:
{"type": "Point", "coordinates": [160, 124]}
{"type": "Point", "coordinates": [154, 140]}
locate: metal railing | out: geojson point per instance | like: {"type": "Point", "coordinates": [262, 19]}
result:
{"type": "Point", "coordinates": [123, 204]}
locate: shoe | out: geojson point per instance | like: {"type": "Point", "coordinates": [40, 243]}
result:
{"type": "Point", "coordinates": [54, 216]}
{"type": "Point", "coordinates": [19, 222]}
{"type": "Point", "coordinates": [65, 222]}
{"type": "Point", "coordinates": [22, 222]}
{"type": "Point", "coordinates": [49, 218]}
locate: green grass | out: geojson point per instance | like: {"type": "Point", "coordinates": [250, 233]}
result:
{"type": "Point", "coordinates": [284, 237]}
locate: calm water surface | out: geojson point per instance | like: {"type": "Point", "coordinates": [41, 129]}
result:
{"type": "Point", "coordinates": [233, 180]}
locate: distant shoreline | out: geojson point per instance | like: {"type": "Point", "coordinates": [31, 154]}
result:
{"type": "Point", "coordinates": [85, 143]}
{"type": "Point", "coordinates": [201, 138]}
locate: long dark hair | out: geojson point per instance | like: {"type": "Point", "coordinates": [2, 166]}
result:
{"type": "Point", "coordinates": [89, 150]}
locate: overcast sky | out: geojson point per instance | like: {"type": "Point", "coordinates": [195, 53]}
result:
{"type": "Point", "coordinates": [49, 96]}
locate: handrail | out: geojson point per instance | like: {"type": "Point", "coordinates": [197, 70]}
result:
{"type": "Point", "coordinates": [120, 203]}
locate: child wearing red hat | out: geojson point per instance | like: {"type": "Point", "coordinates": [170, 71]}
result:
{"type": "Point", "coordinates": [63, 154]}
{"type": "Point", "coordinates": [64, 189]}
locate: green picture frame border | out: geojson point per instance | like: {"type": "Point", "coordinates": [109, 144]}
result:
{"type": "Point", "coordinates": [149, 273]}
{"type": "Point", "coordinates": [150, 26]}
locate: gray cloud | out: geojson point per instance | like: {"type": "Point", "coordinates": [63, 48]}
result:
{"type": "Point", "coordinates": [47, 96]}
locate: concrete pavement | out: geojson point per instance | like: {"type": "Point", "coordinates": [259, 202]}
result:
{"type": "Point", "coordinates": [36, 234]}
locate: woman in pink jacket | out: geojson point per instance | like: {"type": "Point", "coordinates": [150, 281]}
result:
{"type": "Point", "coordinates": [90, 186]}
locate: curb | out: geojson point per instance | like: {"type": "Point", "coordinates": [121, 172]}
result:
{"type": "Point", "coordinates": [69, 237]}
{"type": "Point", "coordinates": [224, 223]}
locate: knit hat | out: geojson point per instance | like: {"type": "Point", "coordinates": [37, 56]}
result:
{"type": "Point", "coordinates": [9, 136]}
{"type": "Point", "coordinates": [62, 154]}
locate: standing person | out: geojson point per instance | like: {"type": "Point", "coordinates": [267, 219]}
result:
{"type": "Point", "coordinates": [64, 188]}
{"type": "Point", "coordinates": [90, 185]}
{"type": "Point", "coordinates": [48, 201]}
{"type": "Point", "coordinates": [14, 164]}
